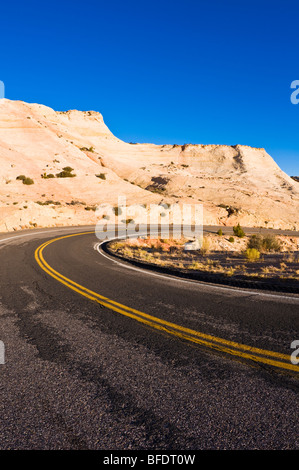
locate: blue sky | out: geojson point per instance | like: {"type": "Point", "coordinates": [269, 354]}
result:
{"type": "Point", "coordinates": [162, 71]}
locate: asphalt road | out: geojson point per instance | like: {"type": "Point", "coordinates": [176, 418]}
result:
{"type": "Point", "coordinates": [101, 356]}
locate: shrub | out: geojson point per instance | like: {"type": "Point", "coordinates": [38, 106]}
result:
{"type": "Point", "coordinates": [271, 243]}
{"type": "Point", "coordinates": [28, 181]}
{"type": "Point", "coordinates": [117, 211]}
{"type": "Point", "coordinates": [66, 173]}
{"type": "Point", "coordinates": [205, 246]}
{"type": "Point", "coordinates": [46, 176]}
{"type": "Point", "coordinates": [238, 231]}
{"type": "Point", "coordinates": [127, 221]}
{"type": "Point", "coordinates": [25, 179]}
{"type": "Point", "coordinates": [252, 254]}
{"type": "Point", "coordinates": [47, 203]}
{"type": "Point", "coordinates": [230, 271]}
{"type": "Point", "coordinates": [267, 243]}
{"type": "Point", "coordinates": [76, 203]}
{"type": "Point", "coordinates": [220, 232]}
{"type": "Point", "coordinates": [102, 176]}
{"type": "Point", "coordinates": [68, 169]}
{"type": "Point", "coordinates": [231, 239]}
{"type": "Point", "coordinates": [255, 241]}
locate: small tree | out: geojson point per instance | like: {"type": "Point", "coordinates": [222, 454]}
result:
{"type": "Point", "coordinates": [238, 231]}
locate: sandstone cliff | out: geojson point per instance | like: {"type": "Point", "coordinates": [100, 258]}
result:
{"type": "Point", "coordinates": [234, 183]}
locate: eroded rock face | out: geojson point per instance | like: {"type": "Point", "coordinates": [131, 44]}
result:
{"type": "Point", "coordinates": [234, 183]}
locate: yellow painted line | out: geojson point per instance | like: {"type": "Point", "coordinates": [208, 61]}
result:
{"type": "Point", "coordinates": [172, 325]}
{"type": "Point", "coordinates": [210, 341]}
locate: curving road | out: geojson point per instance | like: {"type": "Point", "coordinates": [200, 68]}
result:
{"type": "Point", "coordinates": [102, 356]}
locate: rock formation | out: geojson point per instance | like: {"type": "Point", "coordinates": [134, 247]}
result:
{"type": "Point", "coordinates": [234, 183]}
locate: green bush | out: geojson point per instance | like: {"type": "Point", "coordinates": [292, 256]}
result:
{"type": "Point", "coordinates": [66, 173]}
{"type": "Point", "coordinates": [47, 203]}
{"type": "Point", "coordinates": [231, 239]}
{"type": "Point", "coordinates": [28, 181]}
{"type": "Point", "coordinates": [271, 243]}
{"type": "Point", "coordinates": [252, 254]}
{"type": "Point", "coordinates": [49, 175]}
{"type": "Point", "coordinates": [255, 241]}
{"type": "Point", "coordinates": [68, 169]}
{"type": "Point", "coordinates": [238, 231]}
{"type": "Point", "coordinates": [102, 176]}
{"type": "Point", "coordinates": [21, 177]}
{"type": "Point", "coordinates": [220, 232]}
{"type": "Point", "coordinates": [266, 243]}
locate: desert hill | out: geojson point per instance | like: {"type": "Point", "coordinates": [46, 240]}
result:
{"type": "Point", "coordinates": [234, 183]}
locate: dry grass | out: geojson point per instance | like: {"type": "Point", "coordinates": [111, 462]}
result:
{"type": "Point", "coordinates": [170, 253]}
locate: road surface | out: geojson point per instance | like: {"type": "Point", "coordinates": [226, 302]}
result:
{"type": "Point", "coordinates": [101, 356]}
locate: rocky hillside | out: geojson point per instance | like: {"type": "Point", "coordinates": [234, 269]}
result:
{"type": "Point", "coordinates": [55, 167]}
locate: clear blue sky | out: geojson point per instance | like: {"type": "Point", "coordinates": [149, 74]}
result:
{"type": "Point", "coordinates": [162, 71]}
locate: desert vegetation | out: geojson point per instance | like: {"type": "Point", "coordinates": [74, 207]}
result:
{"type": "Point", "coordinates": [67, 172]}
{"type": "Point", "coordinates": [48, 202]}
{"type": "Point", "coordinates": [238, 231]}
{"type": "Point", "coordinates": [87, 149]}
{"type": "Point", "coordinates": [47, 176]}
{"type": "Point", "coordinates": [25, 179]}
{"type": "Point", "coordinates": [266, 243]}
{"type": "Point", "coordinates": [258, 256]}
{"type": "Point", "coordinates": [102, 176]}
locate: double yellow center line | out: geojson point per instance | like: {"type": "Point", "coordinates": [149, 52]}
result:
{"type": "Point", "coordinates": [242, 351]}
